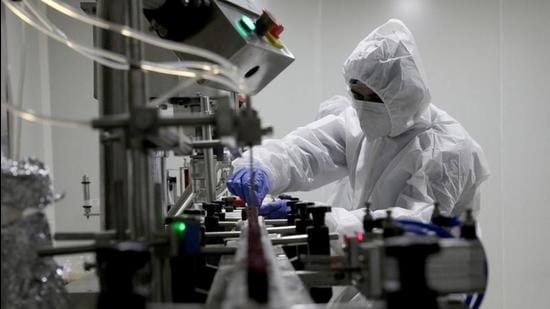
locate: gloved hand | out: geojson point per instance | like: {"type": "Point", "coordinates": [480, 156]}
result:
{"type": "Point", "coordinates": [275, 210]}
{"type": "Point", "coordinates": [239, 184]}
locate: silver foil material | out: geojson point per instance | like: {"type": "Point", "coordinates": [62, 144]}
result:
{"type": "Point", "coordinates": [28, 281]}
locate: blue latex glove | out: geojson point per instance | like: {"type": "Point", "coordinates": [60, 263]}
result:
{"type": "Point", "coordinates": [239, 184]}
{"type": "Point", "coordinates": [275, 210]}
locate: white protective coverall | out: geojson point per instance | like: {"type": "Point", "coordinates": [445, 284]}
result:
{"type": "Point", "coordinates": [427, 156]}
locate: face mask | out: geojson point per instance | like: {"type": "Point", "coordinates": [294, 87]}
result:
{"type": "Point", "coordinates": [373, 118]}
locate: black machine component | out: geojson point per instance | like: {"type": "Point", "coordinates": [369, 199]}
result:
{"type": "Point", "coordinates": [293, 213]}
{"type": "Point", "coordinates": [177, 20]}
{"type": "Point", "coordinates": [228, 203]}
{"type": "Point", "coordinates": [319, 244]}
{"type": "Point", "coordinates": [412, 290]}
{"type": "Point", "coordinates": [288, 197]}
{"type": "Point", "coordinates": [187, 265]}
{"type": "Point", "coordinates": [318, 234]}
{"type": "Point", "coordinates": [368, 220]}
{"type": "Point", "coordinates": [122, 269]}
{"type": "Point", "coordinates": [212, 219]}
{"type": "Point", "coordinates": [439, 219]}
{"type": "Point", "coordinates": [391, 229]}
{"type": "Point", "coordinates": [219, 210]}
{"type": "Point", "coordinates": [303, 220]}
{"type": "Point", "coordinates": [468, 228]}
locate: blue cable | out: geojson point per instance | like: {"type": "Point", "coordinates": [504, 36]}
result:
{"type": "Point", "coordinates": [428, 226]}
{"type": "Point", "coordinates": [469, 299]}
{"type": "Point", "coordinates": [478, 301]}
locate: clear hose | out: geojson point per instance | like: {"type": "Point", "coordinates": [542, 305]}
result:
{"type": "Point", "coordinates": [117, 61]}
{"type": "Point", "coordinates": [138, 35]}
{"type": "Point", "coordinates": [32, 116]}
{"type": "Point", "coordinates": [194, 70]}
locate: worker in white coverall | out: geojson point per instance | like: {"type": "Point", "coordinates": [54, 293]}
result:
{"type": "Point", "coordinates": [397, 149]}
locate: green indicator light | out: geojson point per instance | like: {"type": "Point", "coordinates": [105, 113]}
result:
{"type": "Point", "coordinates": [241, 30]}
{"type": "Point", "coordinates": [248, 23]}
{"type": "Point", "coordinates": [180, 227]}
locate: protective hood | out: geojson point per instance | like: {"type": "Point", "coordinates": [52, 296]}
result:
{"type": "Point", "coordinates": [387, 61]}
{"type": "Point", "coordinates": [333, 106]}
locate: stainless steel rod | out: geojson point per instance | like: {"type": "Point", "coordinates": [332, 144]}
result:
{"type": "Point", "coordinates": [61, 236]}
{"type": "Point", "coordinates": [210, 163]}
{"type": "Point", "coordinates": [229, 224]}
{"type": "Point", "coordinates": [181, 120]}
{"type": "Point", "coordinates": [218, 250]}
{"type": "Point", "coordinates": [276, 222]}
{"type": "Point", "coordinates": [297, 239]}
{"type": "Point", "coordinates": [51, 251]}
{"type": "Point", "coordinates": [226, 234]}
{"type": "Point", "coordinates": [284, 230]}
{"type": "Point", "coordinates": [112, 94]}
{"type": "Point", "coordinates": [184, 201]}
{"type": "Point", "coordinates": [206, 144]}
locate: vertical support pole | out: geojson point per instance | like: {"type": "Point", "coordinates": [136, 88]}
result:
{"type": "Point", "coordinates": [146, 201]}
{"type": "Point", "coordinates": [111, 90]}
{"type": "Point", "coordinates": [209, 162]}
{"type": "Point", "coordinates": [144, 214]}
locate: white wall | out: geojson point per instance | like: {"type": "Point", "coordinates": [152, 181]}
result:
{"type": "Point", "coordinates": [525, 153]}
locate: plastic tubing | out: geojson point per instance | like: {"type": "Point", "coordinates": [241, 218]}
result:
{"type": "Point", "coordinates": [138, 35]}
{"type": "Point", "coordinates": [73, 45]}
{"type": "Point", "coordinates": [116, 61]}
{"type": "Point", "coordinates": [32, 116]}
{"type": "Point", "coordinates": [428, 226]}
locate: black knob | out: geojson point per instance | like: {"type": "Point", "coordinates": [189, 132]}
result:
{"type": "Point", "coordinates": [439, 219]}
{"type": "Point", "coordinates": [468, 228]}
{"type": "Point", "coordinates": [318, 214]}
{"type": "Point", "coordinates": [194, 212]}
{"type": "Point", "coordinates": [288, 197]}
{"type": "Point", "coordinates": [292, 213]}
{"type": "Point", "coordinates": [368, 220]}
{"type": "Point", "coordinates": [264, 23]}
{"type": "Point", "coordinates": [390, 228]}
{"type": "Point", "coordinates": [228, 203]}
{"type": "Point", "coordinates": [211, 208]}
{"type": "Point", "coordinates": [302, 209]}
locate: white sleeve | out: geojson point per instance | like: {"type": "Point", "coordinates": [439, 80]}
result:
{"type": "Point", "coordinates": [306, 158]}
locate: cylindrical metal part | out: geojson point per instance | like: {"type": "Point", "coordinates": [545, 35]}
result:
{"type": "Point", "coordinates": [229, 224]}
{"type": "Point", "coordinates": [185, 201]}
{"type": "Point", "coordinates": [283, 230]}
{"type": "Point", "coordinates": [63, 236]}
{"type": "Point", "coordinates": [213, 250]}
{"type": "Point", "coordinates": [51, 251]}
{"type": "Point", "coordinates": [296, 239]}
{"type": "Point", "coordinates": [190, 120]}
{"type": "Point", "coordinates": [112, 91]}
{"type": "Point", "coordinates": [210, 164]}
{"type": "Point", "coordinates": [146, 194]}
{"type": "Point", "coordinates": [206, 144]}
{"type": "Point", "coordinates": [276, 222]}
{"type": "Point", "coordinates": [226, 234]}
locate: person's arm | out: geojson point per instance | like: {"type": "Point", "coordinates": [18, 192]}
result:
{"type": "Point", "coordinates": [305, 159]}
